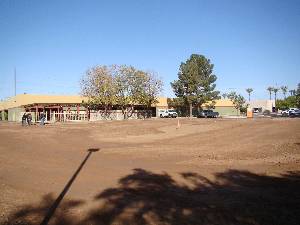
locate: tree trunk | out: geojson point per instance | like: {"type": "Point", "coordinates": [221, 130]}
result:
{"type": "Point", "coordinates": [105, 111]}
{"type": "Point", "coordinates": [191, 110]}
{"type": "Point", "coordinates": [124, 112]}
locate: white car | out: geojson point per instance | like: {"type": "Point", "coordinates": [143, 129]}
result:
{"type": "Point", "coordinates": [289, 111]}
{"type": "Point", "coordinates": [166, 113]}
{"type": "Point", "coordinates": [285, 112]}
{"type": "Point", "coordinates": [172, 113]}
{"type": "Point", "coordinates": [293, 110]}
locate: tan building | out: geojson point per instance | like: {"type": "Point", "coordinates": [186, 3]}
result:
{"type": "Point", "coordinates": [261, 105]}
{"type": "Point", "coordinates": [56, 105]}
{"type": "Point", "coordinates": [13, 108]}
{"type": "Point", "coordinates": [224, 107]}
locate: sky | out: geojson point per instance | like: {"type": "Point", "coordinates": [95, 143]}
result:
{"type": "Point", "coordinates": [252, 44]}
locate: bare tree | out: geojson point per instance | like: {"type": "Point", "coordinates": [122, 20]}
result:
{"type": "Point", "coordinates": [121, 86]}
{"type": "Point", "coordinates": [98, 85]}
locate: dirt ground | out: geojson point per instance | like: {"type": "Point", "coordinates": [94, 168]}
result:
{"type": "Point", "coordinates": [206, 171]}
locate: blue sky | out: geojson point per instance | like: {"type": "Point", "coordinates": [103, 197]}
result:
{"type": "Point", "coordinates": [52, 43]}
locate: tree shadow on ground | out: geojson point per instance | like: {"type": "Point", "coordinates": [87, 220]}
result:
{"type": "Point", "coordinates": [33, 214]}
{"type": "Point", "coordinates": [233, 197]}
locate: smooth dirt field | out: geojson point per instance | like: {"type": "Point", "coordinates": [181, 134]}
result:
{"type": "Point", "coordinates": [208, 171]}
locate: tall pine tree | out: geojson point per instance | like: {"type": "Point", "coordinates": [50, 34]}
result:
{"type": "Point", "coordinates": [196, 82]}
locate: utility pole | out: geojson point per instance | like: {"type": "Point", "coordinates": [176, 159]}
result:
{"type": "Point", "coordinates": [15, 81]}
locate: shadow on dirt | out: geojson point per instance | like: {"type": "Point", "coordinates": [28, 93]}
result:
{"type": "Point", "coordinates": [56, 203]}
{"type": "Point", "coordinates": [143, 197]}
{"type": "Point", "coordinates": [33, 214]}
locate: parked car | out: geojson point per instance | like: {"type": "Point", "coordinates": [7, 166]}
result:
{"type": "Point", "coordinates": [294, 113]}
{"type": "Point", "coordinates": [293, 110]}
{"type": "Point", "coordinates": [285, 112]}
{"type": "Point", "coordinates": [257, 110]}
{"type": "Point", "coordinates": [172, 113]}
{"type": "Point", "coordinates": [207, 114]}
{"type": "Point", "coordinates": [289, 112]}
{"type": "Point", "coordinates": [167, 113]}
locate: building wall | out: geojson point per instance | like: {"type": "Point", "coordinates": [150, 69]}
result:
{"type": "Point", "coordinates": [224, 107]}
{"type": "Point", "coordinates": [159, 108]}
{"type": "Point", "coordinates": [14, 114]}
{"type": "Point", "coordinates": [263, 104]}
{"type": "Point", "coordinates": [226, 111]}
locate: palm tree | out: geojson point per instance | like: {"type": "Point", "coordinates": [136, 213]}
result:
{"type": "Point", "coordinates": [249, 90]}
{"type": "Point", "coordinates": [284, 90]}
{"type": "Point", "coordinates": [292, 92]}
{"type": "Point", "coordinates": [270, 90]}
{"type": "Point", "coordinates": [275, 90]}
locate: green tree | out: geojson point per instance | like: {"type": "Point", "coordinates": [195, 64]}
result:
{"type": "Point", "coordinates": [298, 96]}
{"type": "Point", "coordinates": [270, 90]}
{"type": "Point", "coordinates": [196, 82]}
{"type": "Point", "coordinates": [238, 101]}
{"type": "Point", "coordinates": [179, 104]}
{"type": "Point", "coordinates": [249, 90]}
{"type": "Point", "coordinates": [292, 92]}
{"type": "Point", "coordinates": [288, 102]}
{"type": "Point", "coordinates": [284, 90]}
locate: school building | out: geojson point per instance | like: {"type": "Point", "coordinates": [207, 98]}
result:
{"type": "Point", "coordinates": [72, 108]}
{"type": "Point", "coordinates": [63, 108]}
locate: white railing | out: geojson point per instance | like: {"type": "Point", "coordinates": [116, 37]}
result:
{"type": "Point", "coordinates": [68, 117]}
{"type": "Point", "coordinates": [117, 115]}
{"type": "Point", "coordinates": [83, 116]}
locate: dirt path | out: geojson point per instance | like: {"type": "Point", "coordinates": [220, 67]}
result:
{"type": "Point", "coordinates": [150, 172]}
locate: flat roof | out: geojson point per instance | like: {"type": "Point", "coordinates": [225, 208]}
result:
{"type": "Point", "coordinates": [30, 99]}
{"type": "Point", "coordinates": [220, 103]}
